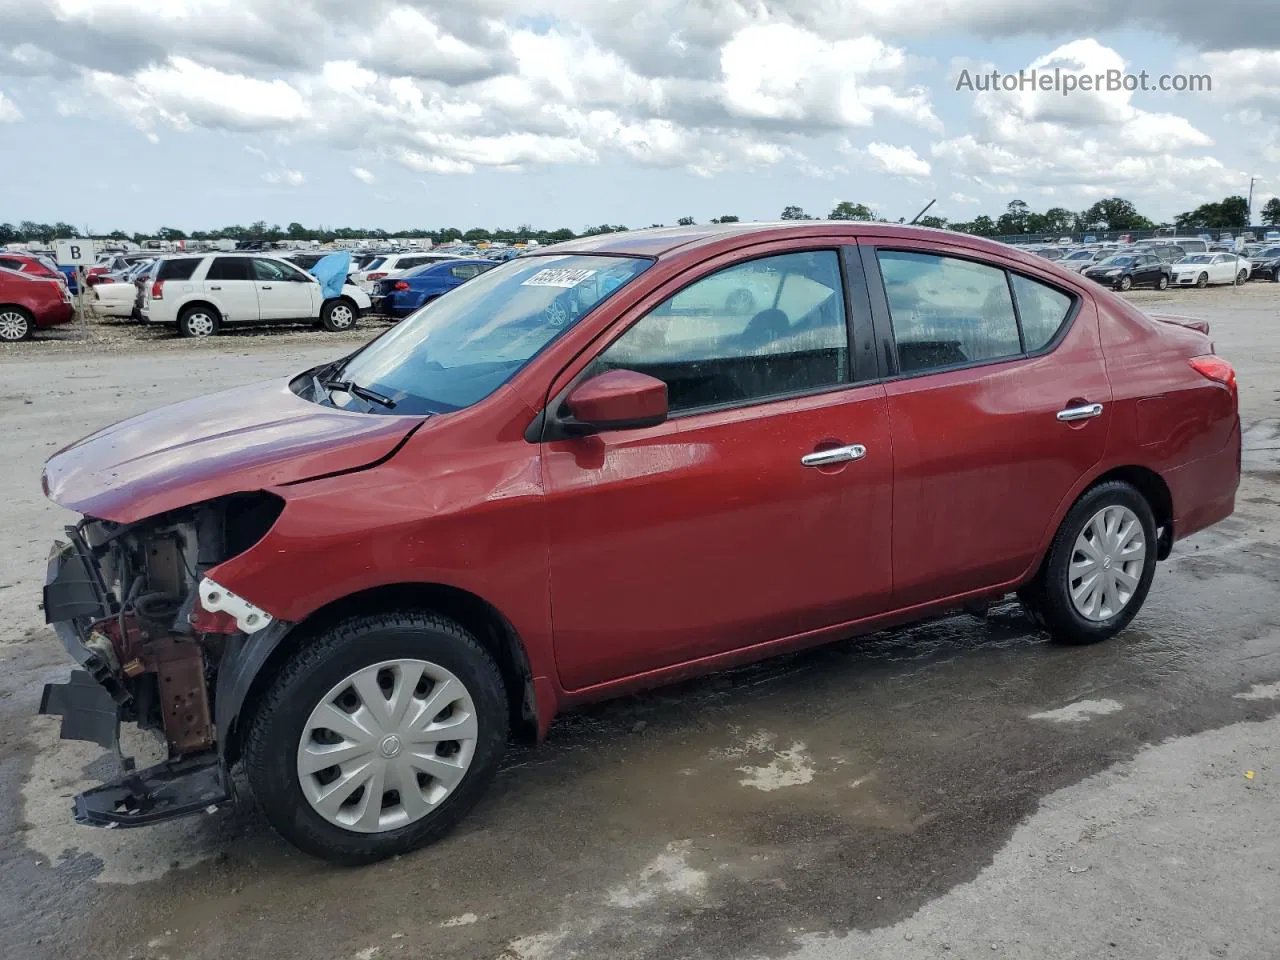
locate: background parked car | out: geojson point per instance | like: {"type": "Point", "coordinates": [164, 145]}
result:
{"type": "Point", "coordinates": [202, 293]}
{"type": "Point", "coordinates": [408, 291]}
{"type": "Point", "coordinates": [1202, 269]}
{"type": "Point", "coordinates": [1131, 270]}
{"type": "Point", "coordinates": [120, 297]}
{"type": "Point", "coordinates": [1266, 263]}
{"type": "Point", "coordinates": [1079, 260]}
{"type": "Point", "coordinates": [29, 303]}
{"type": "Point", "coordinates": [31, 264]}
{"type": "Point", "coordinates": [393, 264]}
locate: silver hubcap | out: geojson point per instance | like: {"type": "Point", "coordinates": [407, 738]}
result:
{"type": "Point", "coordinates": [13, 325]}
{"type": "Point", "coordinates": [1106, 564]}
{"type": "Point", "coordinates": [387, 745]}
{"type": "Point", "coordinates": [340, 316]}
{"type": "Point", "coordinates": [200, 324]}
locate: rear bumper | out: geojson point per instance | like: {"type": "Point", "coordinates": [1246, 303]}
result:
{"type": "Point", "coordinates": [1204, 491]}
{"type": "Point", "coordinates": [55, 316]}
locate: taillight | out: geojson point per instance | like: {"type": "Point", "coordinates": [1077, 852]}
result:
{"type": "Point", "coordinates": [400, 285]}
{"type": "Point", "coordinates": [157, 290]}
{"type": "Point", "coordinates": [375, 276]}
{"type": "Point", "coordinates": [1215, 368]}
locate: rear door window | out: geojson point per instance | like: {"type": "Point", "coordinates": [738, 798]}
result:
{"type": "Point", "coordinates": [230, 268]}
{"type": "Point", "coordinates": [946, 311]}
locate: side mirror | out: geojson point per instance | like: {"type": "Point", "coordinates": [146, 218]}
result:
{"type": "Point", "coordinates": [617, 400]}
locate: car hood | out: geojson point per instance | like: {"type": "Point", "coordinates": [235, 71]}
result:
{"type": "Point", "coordinates": [243, 439]}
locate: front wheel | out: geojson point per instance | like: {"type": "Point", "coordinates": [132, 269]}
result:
{"type": "Point", "coordinates": [1099, 567]}
{"type": "Point", "coordinates": [1241, 277]}
{"type": "Point", "coordinates": [15, 324]}
{"type": "Point", "coordinates": [1125, 283]}
{"type": "Point", "coordinates": [338, 315]}
{"type": "Point", "coordinates": [1202, 281]}
{"type": "Point", "coordinates": [377, 736]}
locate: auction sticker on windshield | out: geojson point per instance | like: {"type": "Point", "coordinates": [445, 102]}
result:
{"type": "Point", "coordinates": [558, 277]}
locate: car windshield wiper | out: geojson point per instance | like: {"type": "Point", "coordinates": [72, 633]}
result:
{"type": "Point", "coordinates": [364, 393]}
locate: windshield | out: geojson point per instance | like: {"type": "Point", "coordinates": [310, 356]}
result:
{"type": "Point", "coordinates": [1116, 262]}
{"type": "Point", "coordinates": [457, 350]}
{"type": "Point", "coordinates": [374, 264]}
{"type": "Point", "coordinates": [1197, 258]}
{"type": "Point", "coordinates": [1270, 252]}
{"type": "Point", "coordinates": [1081, 255]}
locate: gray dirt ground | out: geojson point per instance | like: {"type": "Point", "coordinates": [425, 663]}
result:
{"type": "Point", "coordinates": [958, 789]}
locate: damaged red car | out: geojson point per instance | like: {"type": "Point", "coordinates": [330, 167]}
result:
{"type": "Point", "coordinates": [625, 460]}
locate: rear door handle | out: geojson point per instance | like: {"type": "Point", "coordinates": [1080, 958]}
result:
{"type": "Point", "coordinates": [212, 287]}
{"type": "Point", "coordinates": [1086, 412]}
{"type": "Point", "coordinates": [822, 458]}
{"type": "Point", "coordinates": [265, 287]}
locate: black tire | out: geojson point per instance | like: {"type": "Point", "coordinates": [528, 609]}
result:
{"type": "Point", "coordinates": [1202, 281]}
{"type": "Point", "coordinates": [1125, 282]}
{"type": "Point", "coordinates": [199, 321]}
{"type": "Point", "coordinates": [1241, 277]}
{"type": "Point", "coordinates": [1047, 598]}
{"type": "Point", "coordinates": [1275, 276]}
{"type": "Point", "coordinates": [1162, 283]}
{"type": "Point", "coordinates": [339, 314]}
{"type": "Point", "coordinates": [16, 323]}
{"type": "Point", "coordinates": [274, 732]}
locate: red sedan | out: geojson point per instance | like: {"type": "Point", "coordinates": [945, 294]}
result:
{"type": "Point", "coordinates": [625, 460]}
{"type": "Point", "coordinates": [31, 302]}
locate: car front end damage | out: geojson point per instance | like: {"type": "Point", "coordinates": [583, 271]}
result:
{"type": "Point", "coordinates": [159, 644]}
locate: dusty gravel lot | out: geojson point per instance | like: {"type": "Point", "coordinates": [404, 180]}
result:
{"type": "Point", "coordinates": [958, 789]}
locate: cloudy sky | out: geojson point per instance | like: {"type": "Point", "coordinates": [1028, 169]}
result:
{"type": "Point", "coordinates": [198, 113]}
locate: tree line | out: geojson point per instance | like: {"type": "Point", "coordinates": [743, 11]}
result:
{"type": "Point", "coordinates": [1114, 213]}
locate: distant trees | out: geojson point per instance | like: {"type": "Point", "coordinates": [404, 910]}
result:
{"type": "Point", "coordinates": [846, 210]}
{"type": "Point", "coordinates": [794, 213]}
{"type": "Point", "coordinates": [685, 222]}
{"type": "Point", "coordinates": [1271, 212]}
{"type": "Point", "coordinates": [1230, 212]}
{"type": "Point", "coordinates": [725, 219]}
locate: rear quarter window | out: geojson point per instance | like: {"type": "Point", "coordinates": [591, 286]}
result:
{"type": "Point", "coordinates": [177, 269]}
{"type": "Point", "coordinates": [1042, 310]}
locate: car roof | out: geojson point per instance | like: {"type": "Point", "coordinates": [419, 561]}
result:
{"type": "Point", "coordinates": [663, 242]}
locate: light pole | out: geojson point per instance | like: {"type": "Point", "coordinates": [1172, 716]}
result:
{"type": "Point", "coordinates": [1249, 218]}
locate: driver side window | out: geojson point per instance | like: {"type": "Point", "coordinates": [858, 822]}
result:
{"type": "Point", "coordinates": [765, 328]}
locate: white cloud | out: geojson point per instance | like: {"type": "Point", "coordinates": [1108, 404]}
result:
{"type": "Point", "coordinates": [1086, 144]}
{"type": "Point", "coordinates": [363, 175]}
{"type": "Point", "coordinates": [899, 161]}
{"type": "Point", "coordinates": [286, 178]}
{"type": "Point", "coordinates": [963, 198]}
{"type": "Point", "coordinates": [9, 112]}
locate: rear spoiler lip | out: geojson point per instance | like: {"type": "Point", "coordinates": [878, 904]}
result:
{"type": "Point", "coordinates": [1190, 323]}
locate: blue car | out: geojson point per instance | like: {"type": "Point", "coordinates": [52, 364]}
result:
{"type": "Point", "coordinates": [400, 295]}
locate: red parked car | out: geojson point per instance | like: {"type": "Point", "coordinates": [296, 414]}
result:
{"type": "Point", "coordinates": [31, 302]}
{"type": "Point", "coordinates": [31, 265]}
{"type": "Point", "coordinates": [625, 460]}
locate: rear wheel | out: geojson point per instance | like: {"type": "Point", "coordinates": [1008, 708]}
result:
{"type": "Point", "coordinates": [198, 321]}
{"type": "Point", "coordinates": [338, 315]}
{"type": "Point", "coordinates": [1099, 567]}
{"type": "Point", "coordinates": [1162, 283]}
{"type": "Point", "coordinates": [377, 737]}
{"type": "Point", "coordinates": [15, 324]}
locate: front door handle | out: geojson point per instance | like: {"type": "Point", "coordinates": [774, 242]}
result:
{"type": "Point", "coordinates": [1086, 412]}
{"type": "Point", "coordinates": [823, 458]}
{"type": "Point", "coordinates": [265, 287]}
{"type": "Point", "coordinates": [214, 287]}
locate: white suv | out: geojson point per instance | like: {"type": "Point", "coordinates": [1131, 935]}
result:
{"type": "Point", "coordinates": [202, 293]}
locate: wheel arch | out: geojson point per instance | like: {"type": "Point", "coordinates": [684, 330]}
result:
{"type": "Point", "coordinates": [1154, 489]}
{"type": "Point", "coordinates": [199, 302]}
{"type": "Point", "coordinates": [494, 631]}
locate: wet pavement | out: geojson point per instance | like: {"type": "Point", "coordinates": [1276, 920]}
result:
{"type": "Point", "coordinates": [960, 788]}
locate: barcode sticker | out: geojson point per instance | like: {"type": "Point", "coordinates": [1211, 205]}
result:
{"type": "Point", "coordinates": [558, 277]}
